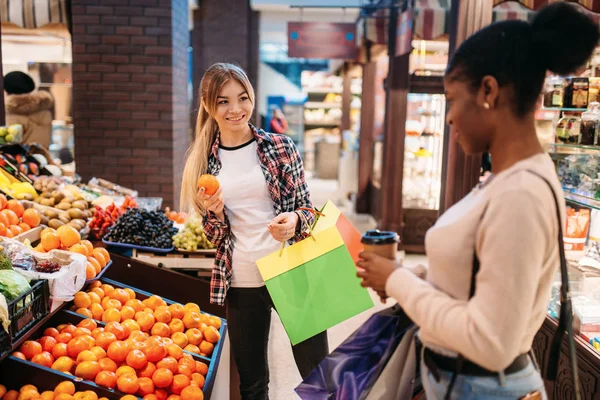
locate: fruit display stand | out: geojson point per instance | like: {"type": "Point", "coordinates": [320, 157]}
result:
{"type": "Point", "coordinates": [144, 279]}
{"type": "Point", "coordinates": [199, 262]}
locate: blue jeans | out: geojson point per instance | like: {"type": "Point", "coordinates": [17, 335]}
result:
{"type": "Point", "coordinates": [466, 387]}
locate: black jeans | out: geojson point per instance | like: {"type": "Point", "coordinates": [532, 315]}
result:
{"type": "Point", "coordinates": [249, 322]}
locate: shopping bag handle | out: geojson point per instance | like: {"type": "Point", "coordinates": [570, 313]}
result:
{"type": "Point", "coordinates": [310, 228]}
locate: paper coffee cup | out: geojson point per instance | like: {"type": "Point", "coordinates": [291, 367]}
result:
{"type": "Point", "coordinates": [383, 243]}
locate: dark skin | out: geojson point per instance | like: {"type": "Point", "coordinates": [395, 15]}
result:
{"type": "Point", "coordinates": [481, 119]}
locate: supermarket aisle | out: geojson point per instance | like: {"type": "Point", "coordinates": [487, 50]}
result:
{"type": "Point", "coordinates": [284, 375]}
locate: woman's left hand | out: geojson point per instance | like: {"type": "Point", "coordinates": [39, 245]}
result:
{"type": "Point", "coordinates": [283, 226]}
{"type": "Point", "coordinates": [375, 271]}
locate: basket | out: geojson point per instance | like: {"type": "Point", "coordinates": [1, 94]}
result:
{"type": "Point", "coordinates": [24, 312]}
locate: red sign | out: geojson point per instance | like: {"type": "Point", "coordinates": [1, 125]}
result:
{"type": "Point", "coordinates": [404, 33]}
{"type": "Point", "coordinates": [322, 40]}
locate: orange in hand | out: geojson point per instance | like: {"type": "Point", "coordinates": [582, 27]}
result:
{"type": "Point", "coordinates": [209, 183]}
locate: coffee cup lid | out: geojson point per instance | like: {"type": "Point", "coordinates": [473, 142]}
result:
{"type": "Point", "coordinates": [380, 237]}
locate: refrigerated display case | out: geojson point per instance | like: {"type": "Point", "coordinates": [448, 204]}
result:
{"type": "Point", "coordinates": [423, 154]}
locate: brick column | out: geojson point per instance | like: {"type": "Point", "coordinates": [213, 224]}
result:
{"type": "Point", "coordinates": [225, 31]}
{"type": "Point", "coordinates": [130, 107]}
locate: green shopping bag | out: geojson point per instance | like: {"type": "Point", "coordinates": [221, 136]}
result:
{"type": "Point", "coordinates": [313, 283]}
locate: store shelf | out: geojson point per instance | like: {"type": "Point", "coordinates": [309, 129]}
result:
{"type": "Point", "coordinates": [583, 201]}
{"type": "Point", "coordinates": [321, 104]}
{"type": "Point", "coordinates": [324, 124]}
{"type": "Point", "coordinates": [565, 109]}
{"type": "Point", "coordinates": [566, 149]}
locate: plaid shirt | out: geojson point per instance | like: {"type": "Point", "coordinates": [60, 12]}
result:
{"type": "Point", "coordinates": [283, 170]}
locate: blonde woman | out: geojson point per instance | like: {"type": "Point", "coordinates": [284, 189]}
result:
{"type": "Point", "coordinates": [262, 189]}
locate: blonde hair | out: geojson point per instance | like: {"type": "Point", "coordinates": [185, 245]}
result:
{"type": "Point", "coordinates": [206, 129]}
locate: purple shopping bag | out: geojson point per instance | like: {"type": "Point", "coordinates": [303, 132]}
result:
{"type": "Point", "coordinates": [350, 371]}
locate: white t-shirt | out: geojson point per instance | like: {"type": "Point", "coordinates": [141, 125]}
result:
{"type": "Point", "coordinates": [249, 209]}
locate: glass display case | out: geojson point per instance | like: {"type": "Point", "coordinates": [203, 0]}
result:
{"type": "Point", "coordinates": [423, 151]}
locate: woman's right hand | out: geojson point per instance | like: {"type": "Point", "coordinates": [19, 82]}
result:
{"type": "Point", "coordinates": [213, 203]}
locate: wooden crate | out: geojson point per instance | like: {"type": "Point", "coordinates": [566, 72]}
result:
{"type": "Point", "coordinates": [201, 262]}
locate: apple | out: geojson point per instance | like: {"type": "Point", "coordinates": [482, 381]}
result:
{"type": "Point", "coordinates": [3, 131]}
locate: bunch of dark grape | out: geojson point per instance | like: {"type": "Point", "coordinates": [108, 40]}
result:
{"type": "Point", "coordinates": [47, 266]}
{"type": "Point", "coordinates": [143, 228]}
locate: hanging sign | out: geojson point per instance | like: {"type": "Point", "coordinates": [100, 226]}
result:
{"type": "Point", "coordinates": [322, 40]}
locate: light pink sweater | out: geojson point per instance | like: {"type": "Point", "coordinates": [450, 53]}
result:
{"type": "Point", "coordinates": [517, 245]}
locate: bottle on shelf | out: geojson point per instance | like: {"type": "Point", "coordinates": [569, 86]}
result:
{"type": "Point", "coordinates": [590, 121]}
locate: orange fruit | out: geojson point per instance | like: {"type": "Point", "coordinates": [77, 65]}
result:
{"type": "Point", "coordinates": [88, 245]}
{"type": "Point", "coordinates": [106, 288]}
{"type": "Point", "coordinates": [46, 230]}
{"type": "Point", "coordinates": [145, 320]}
{"type": "Point", "coordinates": [79, 248]}
{"type": "Point", "coordinates": [201, 368]}
{"type": "Point", "coordinates": [96, 332]}
{"type": "Point", "coordinates": [96, 290]}
{"type": "Point", "coordinates": [125, 369]}
{"type": "Point", "coordinates": [31, 348]}
{"type": "Point", "coordinates": [94, 296]}
{"type": "Point", "coordinates": [24, 226]}
{"type": "Point", "coordinates": [162, 377]}
{"type": "Point", "coordinates": [19, 355]}
{"type": "Point", "coordinates": [4, 219]}
{"type": "Point", "coordinates": [128, 383]}
{"type": "Point", "coordinates": [193, 348]}
{"type": "Point", "coordinates": [77, 345]}
{"type": "Point", "coordinates": [161, 329]}
{"type": "Point", "coordinates": [97, 311]}
{"type": "Point", "coordinates": [63, 396]}
{"type": "Point", "coordinates": [209, 183]}
{"type": "Point", "coordinates": [99, 352]}
{"type": "Point", "coordinates": [90, 271]}
{"type": "Point", "coordinates": [10, 216]}
{"type": "Point", "coordinates": [186, 370]}
{"type": "Point", "coordinates": [118, 351]}
{"type": "Point", "coordinates": [120, 294]}
{"type": "Point", "coordinates": [194, 336]}
{"type": "Point", "coordinates": [66, 387]}
{"type": "Point", "coordinates": [117, 329]}
{"type": "Point", "coordinates": [108, 365]}
{"type": "Point", "coordinates": [82, 332]}
{"type": "Point", "coordinates": [150, 396]}
{"type": "Point", "coordinates": [180, 339]}
{"type": "Point", "coordinates": [130, 292]}
{"type": "Point", "coordinates": [88, 324]}
{"type": "Point", "coordinates": [68, 235]}
{"type": "Point", "coordinates": [147, 371]}
{"type": "Point", "coordinates": [15, 207]}
{"type": "Point", "coordinates": [50, 241]}
{"type": "Point", "coordinates": [15, 230]}
{"type": "Point", "coordinates": [100, 257]}
{"type": "Point", "coordinates": [169, 363]}
{"type": "Point", "coordinates": [9, 235]}
{"type": "Point", "coordinates": [107, 302]}
{"type": "Point", "coordinates": [2, 229]}
{"type": "Point", "coordinates": [206, 347]}
{"type": "Point", "coordinates": [211, 334]}
{"type": "Point", "coordinates": [162, 394]}
{"type": "Point", "coordinates": [86, 355]}
{"type": "Point", "coordinates": [59, 350]}
{"type": "Point", "coordinates": [191, 320]}
{"type": "Point", "coordinates": [191, 307]}
{"type": "Point", "coordinates": [177, 311]}
{"type": "Point", "coordinates": [48, 343]}
{"type": "Point", "coordinates": [11, 395]}
{"type": "Point", "coordinates": [31, 217]}
{"type": "Point", "coordinates": [175, 351]}
{"type": "Point", "coordinates": [199, 379]}
{"type": "Point", "coordinates": [155, 351]}
{"type": "Point", "coordinates": [136, 304]}
{"type": "Point", "coordinates": [44, 358]}
{"type": "Point", "coordinates": [128, 397]}
{"type": "Point", "coordinates": [106, 255]}
{"type": "Point", "coordinates": [106, 379]}
{"type": "Point", "coordinates": [85, 312]}
{"type": "Point", "coordinates": [131, 325]}
{"type": "Point", "coordinates": [3, 201]}
{"type": "Point", "coordinates": [111, 315]}
{"type": "Point", "coordinates": [47, 395]}
{"type": "Point", "coordinates": [146, 386]}
{"type": "Point", "coordinates": [192, 393]}
{"type": "Point", "coordinates": [162, 314]}
{"type": "Point", "coordinates": [215, 321]}
{"type": "Point", "coordinates": [66, 328]}
{"type": "Point", "coordinates": [179, 383]}
{"type": "Point", "coordinates": [137, 359]}
{"type": "Point", "coordinates": [88, 370]}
